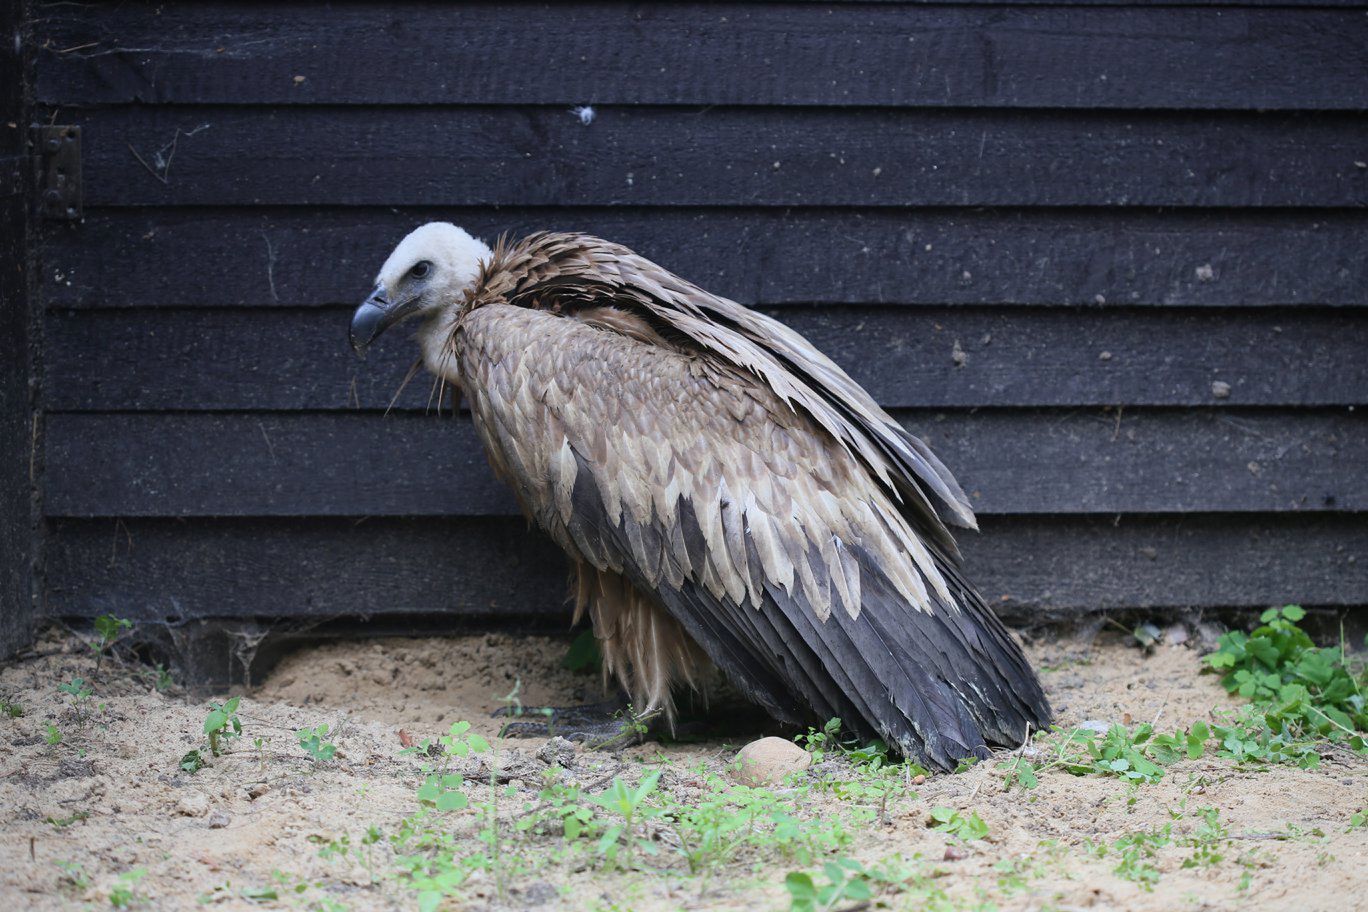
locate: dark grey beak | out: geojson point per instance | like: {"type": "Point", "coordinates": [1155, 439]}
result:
{"type": "Point", "coordinates": [374, 316]}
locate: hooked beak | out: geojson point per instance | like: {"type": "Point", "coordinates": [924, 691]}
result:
{"type": "Point", "coordinates": [376, 314]}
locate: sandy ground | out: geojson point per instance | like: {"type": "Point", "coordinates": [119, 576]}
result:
{"type": "Point", "coordinates": [110, 797]}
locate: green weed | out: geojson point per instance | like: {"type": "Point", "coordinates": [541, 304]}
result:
{"type": "Point", "coordinates": [74, 876]}
{"type": "Point", "coordinates": [1303, 692]}
{"type": "Point", "coordinates": [222, 724]}
{"type": "Point", "coordinates": [124, 893]}
{"type": "Point", "coordinates": [80, 693]}
{"type": "Point", "coordinates": [952, 822]}
{"type": "Point", "coordinates": [315, 743]}
{"type": "Point", "coordinates": [108, 629]}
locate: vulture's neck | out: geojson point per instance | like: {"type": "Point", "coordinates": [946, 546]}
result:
{"type": "Point", "coordinates": [434, 337]}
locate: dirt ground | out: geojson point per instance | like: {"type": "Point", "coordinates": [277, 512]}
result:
{"type": "Point", "coordinates": [246, 830]}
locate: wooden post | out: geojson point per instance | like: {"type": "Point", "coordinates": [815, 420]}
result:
{"type": "Point", "coordinates": [17, 437]}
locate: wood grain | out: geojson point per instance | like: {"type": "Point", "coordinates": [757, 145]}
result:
{"type": "Point", "coordinates": [290, 258]}
{"type": "Point", "coordinates": [496, 568]}
{"type": "Point", "coordinates": [654, 156]}
{"type": "Point", "coordinates": [1068, 56]}
{"type": "Point", "coordinates": [1009, 461]}
{"type": "Point", "coordinates": [285, 359]}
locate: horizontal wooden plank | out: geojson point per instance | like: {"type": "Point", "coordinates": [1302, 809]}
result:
{"type": "Point", "coordinates": [252, 359]}
{"type": "Point", "coordinates": [695, 54]}
{"type": "Point", "coordinates": [1009, 461]}
{"type": "Point", "coordinates": [481, 156]}
{"type": "Point", "coordinates": [1025, 567]}
{"type": "Point", "coordinates": [1190, 258]}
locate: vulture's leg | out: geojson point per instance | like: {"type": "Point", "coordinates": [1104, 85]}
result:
{"type": "Point", "coordinates": [643, 648]}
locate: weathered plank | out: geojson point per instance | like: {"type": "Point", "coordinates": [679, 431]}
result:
{"type": "Point", "coordinates": [692, 53]}
{"type": "Point", "coordinates": [244, 359]}
{"type": "Point", "coordinates": [758, 256]}
{"type": "Point", "coordinates": [17, 428]}
{"type": "Point", "coordinates": [157, 569]}
{"type": "Point", "coordinates": [1010, 461]}
{"type": "Point", "coordinates": [482, 156]}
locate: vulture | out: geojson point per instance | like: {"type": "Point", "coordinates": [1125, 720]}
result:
{"type": "Point", "coordinates": [725, 492]}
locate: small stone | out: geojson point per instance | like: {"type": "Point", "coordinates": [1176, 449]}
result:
{"type": "Point", "coordinates": [954, 853]}
{"type": "Point", "coordinates": [218, 820]}
{"type": "Point", "coordinates": [918, 779]}
{"type": "Point", "coordinates": [557, 752]}
{"type": "Point", "coordinates": [768, 761]}
{"type": "Point", "coordinates": [1104, 356]}
{"type": "Point", "coordinates": [1220, 389]}
{"type": "Point", "coordinates": [1176, 634]}
{"type": "Point", "coordinates": [258, 790]}
{"type": "Point", "coordinates": [192, 804]}
{"type": "Point", "coordinates": [1205, 273]}
{"type": "Point", "coordinates": [1095, 725]}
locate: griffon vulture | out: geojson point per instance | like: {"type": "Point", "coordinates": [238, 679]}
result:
{"type": "Point", "coordinates": [724, 491]}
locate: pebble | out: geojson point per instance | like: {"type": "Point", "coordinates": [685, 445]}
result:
{"type": "Point", "coordinates": [218, 820]}
{"type": "Point", "coordinates": [768, 761]}
{"type": "Point", "coordinates": [192, 804]}
{"type": "Point", "coordinates": [557, 751]}
{"type": "Point", "coordinates": [258, 790]}
{"type": "Point", "coordinates": [955, 853]}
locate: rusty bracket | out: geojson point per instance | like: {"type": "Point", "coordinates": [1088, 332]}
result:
{"type": "Point", "coordinates": [58, 174]}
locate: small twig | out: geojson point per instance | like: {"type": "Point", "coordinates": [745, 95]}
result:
{"type": "Point", "coordinates": [142, 161]}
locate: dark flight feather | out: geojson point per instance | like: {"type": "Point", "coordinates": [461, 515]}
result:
{"type": "Point", "coordinates": [747, 490]}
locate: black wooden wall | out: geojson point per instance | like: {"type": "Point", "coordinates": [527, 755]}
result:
{"type": "Point", "coordinates": [1109, 259]}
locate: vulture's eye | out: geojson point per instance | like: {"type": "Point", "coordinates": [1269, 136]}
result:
{"type": "Point", "coordinates": [420, 270]}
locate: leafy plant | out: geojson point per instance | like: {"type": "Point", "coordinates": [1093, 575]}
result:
{"type": "Point", "coordinates": [222, 724]}
{"type": "Point", "coordinates": [315, 743]}
{"type": "Point", "coordinates": [62, 823]}
{"type": "Point", "coordinates": [108, 629]}
{"type": "Point", "coordinates": [1136, 855]}
{"type": "Point", "coordinates": [619, 839]}
{"type": "Point", "coordinates": [74, 876]}
{"type": "Point", "coordinates": [1303, 691]}
{"type": "Point", "coordinates": [950, 821]}
{"type": "Point", "coordinates": [584, 654]}
{"type": "Point", "coordinates": [1359, 820]}
{"type": "Point", "coordinates": [124, 892]}
{"type": "Point", "coordinates": [52, 736]}
{"type": "Point", "coordinates": [847, 881]}
{"type": "Point", "coordinates": [10, 709]}
{"type": "Point", "coordinates": [80, 693]}
{"type": "Point", "coordinates": [192, 762]}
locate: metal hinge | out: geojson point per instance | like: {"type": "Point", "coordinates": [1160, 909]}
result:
{"type": "Point", "coordinates": [58, 172]}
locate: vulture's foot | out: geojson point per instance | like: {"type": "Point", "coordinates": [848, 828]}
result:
{"type": "Point", "coordinates": [601, 726]}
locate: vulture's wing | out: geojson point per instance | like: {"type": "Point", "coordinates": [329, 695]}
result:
{"type": "Point", "coordinates": [764, 529]}
{"type": "Point", "coordinates": [581, 269]}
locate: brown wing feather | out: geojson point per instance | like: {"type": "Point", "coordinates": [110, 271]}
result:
{"type": "Point", "coordinates": [766, 539]}
{"type": "Point", "coordinates": [567, 269]}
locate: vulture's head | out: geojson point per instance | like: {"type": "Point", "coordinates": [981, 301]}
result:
{"type": "Point", "coordinates": [427, 276]}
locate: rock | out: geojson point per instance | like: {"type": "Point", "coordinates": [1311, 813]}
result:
{"type": "Point", "coordinates": [1095, 725]}
{"type": "Point", "coordinates": [192, 804]}
{"type": "Point", "coordinates": [1220, 389]}
{"type": "Point", "coordinates": [768, 761]}
{"type": "Point", "coordinates": [955, 853]}
{"type": "Point", "coordinates": [218, 820]}
{"type": "Point", "coordinates": [256, 791]}
{"type": "Point", "coordinates": [557, 751]}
